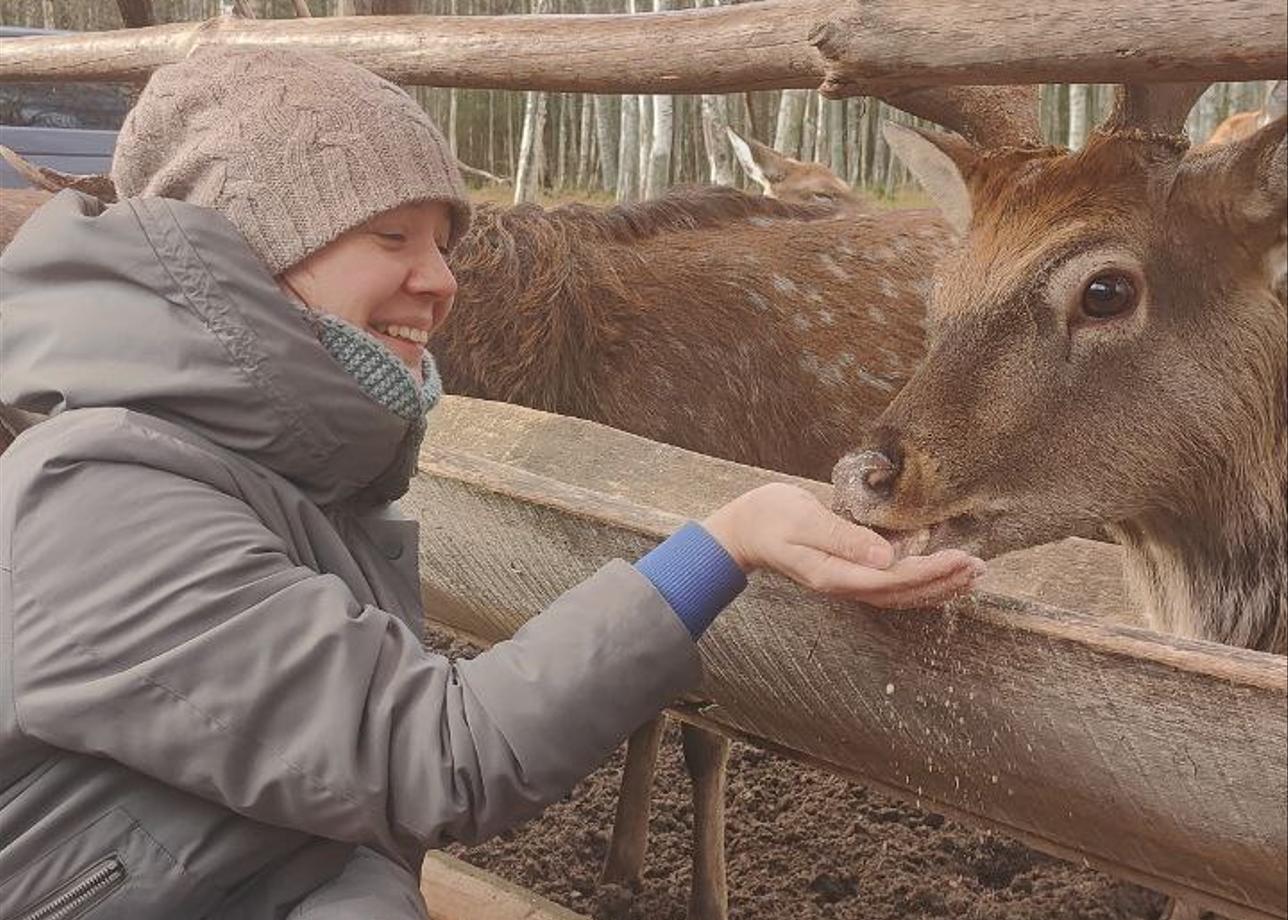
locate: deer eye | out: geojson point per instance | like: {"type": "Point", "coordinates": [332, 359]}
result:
{"type": "Point", "coordinates": [1109, 294]}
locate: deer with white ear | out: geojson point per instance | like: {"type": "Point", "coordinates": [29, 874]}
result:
{"type": "Point", "coordinates": [795, 181]}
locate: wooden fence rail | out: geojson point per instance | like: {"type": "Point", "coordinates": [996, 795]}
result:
{"type": "Point", "coordinates": [1161, 760]}
{"type": "Point", "coordinates": [845, 47]}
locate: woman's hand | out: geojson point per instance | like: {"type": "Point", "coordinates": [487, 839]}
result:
{"type": "Point", "coordinates": [784, 528]}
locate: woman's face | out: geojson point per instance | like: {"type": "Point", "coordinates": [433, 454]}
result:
{"type": "Point", "coordinates": [387, 277]}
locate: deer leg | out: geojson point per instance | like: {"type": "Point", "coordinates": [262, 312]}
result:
{"type": "Point", "coordinates": [706, 755]}
{"type": "Point", "coordinates": [624, 864]}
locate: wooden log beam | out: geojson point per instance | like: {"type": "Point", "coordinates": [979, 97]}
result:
{"type": "Point", "coordinates": [1164, 761]}
{"type": "Point", "coordinates": [455, 890]}
{"type": "Point", "coordinates": [850, 47]}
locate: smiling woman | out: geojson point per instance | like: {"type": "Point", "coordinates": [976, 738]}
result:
{"type": "Point", "coordinates": [226, 708]}
{"type": "Point", "coordinates": [387, 277]}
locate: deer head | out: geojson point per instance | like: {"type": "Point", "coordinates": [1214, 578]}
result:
{"type": "Point", "coordinates": [1105, 346]}
{"type": "Point", "coordinates": [787, 179]}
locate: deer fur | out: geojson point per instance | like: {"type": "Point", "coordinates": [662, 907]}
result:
{"type": "Point", "coordinates": [735, 326]}
{"type": "Point", "coordinates": [1031, 420]}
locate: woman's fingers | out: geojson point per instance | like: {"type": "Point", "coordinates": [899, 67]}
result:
{"type": "Point", "coordinates": [852, 542]}
{"type": "Point", "coordinates": [910, 577]}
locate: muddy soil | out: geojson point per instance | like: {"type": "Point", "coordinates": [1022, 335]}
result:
{"type": "Point", "coordinates": [801, 845]}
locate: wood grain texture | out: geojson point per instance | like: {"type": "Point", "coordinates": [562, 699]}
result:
{"type": "Point", "coordinates": [860, 46]}
{"type": "Point", "coordinates": [1159, 759]}
{"type": "Point", "coordinates": [454, 890]}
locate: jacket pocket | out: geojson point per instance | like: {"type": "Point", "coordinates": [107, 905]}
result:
{"type": "Point", "coordinates": [81, 894]}
{"type": "Point", "coordinates": [111, 868]}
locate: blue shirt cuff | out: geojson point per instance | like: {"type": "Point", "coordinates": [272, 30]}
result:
{"type": "Point", "coordinates": [694, 574]}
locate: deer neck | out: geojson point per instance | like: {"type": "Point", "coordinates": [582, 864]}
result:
{"type": "Point", "coordinates": [1214, 568]}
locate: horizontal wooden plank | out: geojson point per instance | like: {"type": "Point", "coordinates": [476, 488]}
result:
{"type": "Point", "coordinates": [454, 890]}
{"type": "Point", "coordinates": [1160, 759]}
{"type": "Point", "coordinates": [774, 44]}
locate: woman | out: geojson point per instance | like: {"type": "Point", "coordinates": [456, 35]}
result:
{"type": "Point", "coordinates": [214, 700]}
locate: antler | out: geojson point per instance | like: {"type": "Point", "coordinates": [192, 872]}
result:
{"type": "Point", "coordinates": [987, 116]}
{"type": "Point", "coordinates": [51, 180]}
{"type": "Point", "coordinates": [1154, 112]}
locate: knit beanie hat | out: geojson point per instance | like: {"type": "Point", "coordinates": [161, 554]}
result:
{"type": "Point", "coordinates": [294, 147]}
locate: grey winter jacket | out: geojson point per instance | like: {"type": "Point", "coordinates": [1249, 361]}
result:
{"type": "Point", "coordinates": [211, 683]}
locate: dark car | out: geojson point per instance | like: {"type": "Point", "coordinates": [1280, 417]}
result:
{"type": "Point", "coordinates": [70, 127]}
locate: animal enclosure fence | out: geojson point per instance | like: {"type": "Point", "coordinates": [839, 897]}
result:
{"type": "Point", "coordinates": [1033, 708]}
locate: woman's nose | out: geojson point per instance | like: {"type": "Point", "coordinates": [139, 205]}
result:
{"type": "Point", "coordinates": [431, 275]}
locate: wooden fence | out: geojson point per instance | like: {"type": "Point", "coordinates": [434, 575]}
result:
{"type": "Point", "coordinates": [1161, 760]}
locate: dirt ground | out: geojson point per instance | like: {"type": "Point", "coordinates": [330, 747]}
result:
{"type": "Point", "coordinates": [801, 845]}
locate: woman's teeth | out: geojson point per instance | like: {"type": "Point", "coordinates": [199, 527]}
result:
{"type": "Point", "coordinates": [419, 336]}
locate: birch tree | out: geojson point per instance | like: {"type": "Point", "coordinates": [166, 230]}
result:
{"type": "Point", "coordinates": [1078, 93]}
{"type": "Point", "coordinates": [645, 137]}
{"type": "Point", "coordinates": [527, 173]}
{"type": "Point", "coordinates": [606, 135]}
{"type": "Point", "coordinates": [530, 152]}
{"type": "Point", "coordinates": [791, 116]}
{"type": "Point", "coordinates": [715, 119]}
{"type": "Point", "coordinates": [659, 158]}
{"type": "Point", "coordinates": [836, 135]}
{"type": "Point", "coordinates": [628, 162]}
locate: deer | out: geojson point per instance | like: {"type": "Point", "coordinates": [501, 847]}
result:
{"type": "Point", "coordinates": [789, 179]}
{"type": "Point", "coordinates": [694, 320]}
{"type": "Point", "coordinates": [1244, 124]}
{"type": "Point", "coordinates": [1107, 346]}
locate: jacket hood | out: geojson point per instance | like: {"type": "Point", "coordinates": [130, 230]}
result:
{"type": "Point", "coordinates": [160, 306]}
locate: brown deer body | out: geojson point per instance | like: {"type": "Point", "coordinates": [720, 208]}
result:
{"type": "Point", "coordinates": [734, 326]}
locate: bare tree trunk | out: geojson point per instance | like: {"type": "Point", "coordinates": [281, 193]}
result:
{"type": "Point", "coordinates": [585, 133]}
{"type": "Point", "coordinates": [452, 103]}
{"type": "Point", "coordinates": [836, 136]}
{"type": "Point", "coordinates": [1207, 113]}
{"type": "Point", "coordinates": [716, 141]}
{"type": "Point", "coordinates": [1078, 93]}
{"type": "Point", "coordinates": [856, 120]}
{"type": "Point", "coordinates": [491, 130]}
{"type": "Point", "coordinates": [809, 127]}
{"type": "Point", "coordinates": [561, 141]}
{"type": "Point", "coordinates": [607, 136]}
{"type": "Point", "coordinates": [655, 172]}
{"type": "Point", "coordinates": [659, 157]}
{"type": "Point", "coordinates": [645, 136]}
{"type": "Point", "coordinates": [534, 125]}
{"type": "Point", "coordinates": [791, 115]}
{"type": "Point", "coordinates": [628, 164]}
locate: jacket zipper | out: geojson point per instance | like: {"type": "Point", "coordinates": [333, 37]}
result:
{"type": "Point", "coordinates": [99, 879]}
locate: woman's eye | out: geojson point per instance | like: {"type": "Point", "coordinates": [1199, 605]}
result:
{"type": "Point", "coordinates": [1109, 294]}
{"type": "Point", "coordinates": [391, 237]}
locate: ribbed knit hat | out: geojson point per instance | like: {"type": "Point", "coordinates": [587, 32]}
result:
{"type": "Point", "coordinates": [294, 147]}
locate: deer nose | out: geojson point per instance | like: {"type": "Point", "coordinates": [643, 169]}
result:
{"type": "Point", "coordinates": [863, 482]}
{"type": "Point", "coordinates": [870, 471]}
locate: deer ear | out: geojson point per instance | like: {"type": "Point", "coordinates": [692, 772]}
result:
{"type": "Point", "coordinates": [938, 161]}
{"type": "Point", "coordinates": [1255, 175]}
{"type": "Point", "coordinates": [1276, 104]}
{"type": "Point", "coordinates": [763, 165]}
